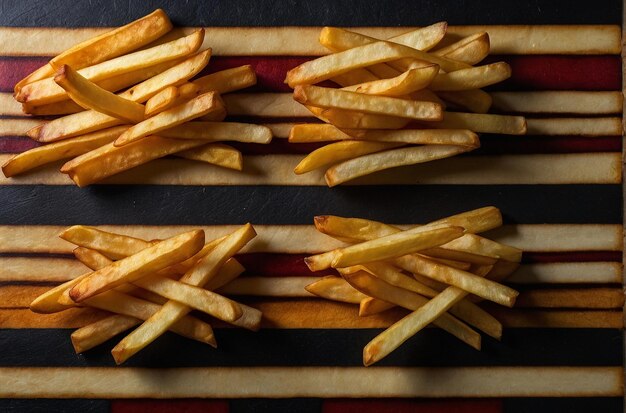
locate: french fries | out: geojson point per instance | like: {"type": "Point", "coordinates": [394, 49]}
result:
{"type": "Point", "coordinates": [381, 265]}
{"type": "Point", "coordinates": [336, 289]}
{"type": "Point", "coordinates": [216, 154]}
{"type": "Point", "coordinates": [403, 84]}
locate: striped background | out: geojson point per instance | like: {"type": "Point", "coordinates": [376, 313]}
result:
{"type": "Point", "coordinates": [561, 198]}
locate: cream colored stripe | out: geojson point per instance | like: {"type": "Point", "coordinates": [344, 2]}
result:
{"type": "Point", "coordinates": [9, 106]}
{"type": "Point", "coordinates": [584, 168]}
{"type": "Point", "coordinates": [270, 105]}
{"type": "Point", "coordinates": [575, 126]}
{"type": "Point", "coordinates": [17, 127]}
{"type": "Point", "coordinates": [599, 103]}
{"type": "Point", "coordinates": [306, 239]}
{"type": "Point", "coordinates": [568, 273]}
{"type": "Point", "coordinates": [284, 382]}
{"type": "Point", "coordinates": [303, 41]}
{"type": "Point", "coordinates": [269, 286]}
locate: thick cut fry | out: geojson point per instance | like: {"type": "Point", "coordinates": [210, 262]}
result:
{"type": "Point", "coordinates": [41, 73]}
{"type": "Point", "coordinates": [408, 82]}
{"type": "Point", "coordinates": [94, 334]}
{"type": "Point", "coordinates": [466, 281]}
{"type": "Point", "coordinates": [46, 91]}
{"type": "Point", "coordinates": [472, 78]}
{"type": "Point", "coordinates": [370, 306]}
{"type": "Point", "coordinates": [371, 286]}
{"type": "Point", "coordinates": [336, 289]}
{"type": "Point", "coordinates": [228, 80]}
{"type": "Point", "coordinates": [340, 151]}
{"type": "Point", "coordinates": [367, 164]}
{"type": "Point", "coordinates": [145, 262]}
{"type": "Point", "coordinates": [165, 99]}
{"type": "Point", "coordinates": [67, 148]}
{"type": "Point", "coordinates": [113, 246]}
{"type": "Point", "coordinates": [172, 311]}
{"type": "Point", "coordinates": [109, 159]}
{"type": "Point", "coordinates": [485, 123]}
{"type": "Point", "coordinates": [91, 96]}
{"type": "Point", "coordinates": [316, 132]}
{"type": "Point", "coordinates": [477, 101]}
{"type": "Point", "coordinates": [199, 106]}
{"type": "Point", "coordinates": [394, 245]}
{"type": "Point", "coordinates": [398, 333]}
{"type": "Point", "coordinates": [460, 137]}
{"type": "Point", "coordinates": [471, 49]}
{"type": "Point", "coordinates": [357, 120]}
{"type": "Point", "coordinates": [378, 105]}
{"type": "Point", "coordinates": [89, 121]}
{"type": "Point", "coordinates": [48, 302]}
{"type": "Point", "coordinates": [215, 154]}
{"type": "Point", "coordinates": [220, 131]}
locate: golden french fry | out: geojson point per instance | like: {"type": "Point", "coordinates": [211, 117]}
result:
{"type": "Point", "coordinates": [46, 91]}
{"type": "Point", "coordinates": [67, 148]}
{"type": "Point", "coordinates": [354, 77]}
{"type": "Point", "coordinates": [450, 263]}
{"type": "Point", "coordinates": [113, 246]}
{"type": "Point", "coordinates": [471, 49]}
{"type": "Point", "coordinates": [480, 122]}
{"type": "Point", "coordinates": [215, 154]}
{"type": "Point", "coordinates": [486, 247]}
{"type": "Point", "coordinates": [165, 99]}
{"type": "Point", "coordinates": [472, 78]}
{"type": "Point", "coordinates": [394, 245]}
{"type": "Point", "coordinates": [460, 137]}
{"type": "Point", "coordinates": [96, 333]}
{"type": "Point", "coordinates": [316, 132]}
{"type": "Point", "coordinates": [109, 159]}
{"type": "Point", "coordinates": [466, 281]}
{"type": "Point", "coordinates": [427, 96]}
{"type": "Point", "coordinates": [145, 262]}
{"type": "Point", "coordinates": [393, 276]}
{"type": "Point", "coordinates": [337, 289]}
{"type": "Point", "coordinates": [477, 101]}
{"type": "Point", "coordinates": [385, 71]}
{"type": "Point", "coordinates": [367, 164]}
{"type": "Point", "coordinates": [172, 311]}
{"type": "Point", "coordinates": [377, 105]}
{"type": "Point", "coordinates": [91, 96]}
{"type": "Point", "coordinates": [220, 131]}
{"type": "Point", "coordinates": [357, 120]}
{"type": "Point", "coordinates": [340, 151]}
{"type": "Point", "coordinates": [370, 306]}
{"type": "Point", "coordinates": [408, 82]}
{"type": "Point", "coordinates": [227, 80]}
{"type": "Point", "coordinates": [398, 333]}
{"type": "Point", "coordinates": [48, 302]}
{"type": "Point", "coordinates": [90, 120]}
{"type": "Point", "coordinates": [41, 73]}
{"type": "Point", "coordinates": [502, 269]}
{"type": "Point", "coordinates": [196, 107]}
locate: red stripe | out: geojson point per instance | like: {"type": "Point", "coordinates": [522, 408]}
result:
{"type": "Point", "coordinates": [412, 406]}
{"type": "Point", "coordinates": [167, 406]}
{"type": "Point", "coordinates": [529, 72]}
{"type": "Point", "coordinates": [265, 264]}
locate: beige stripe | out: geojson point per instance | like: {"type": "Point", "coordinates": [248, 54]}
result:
{"type": "Point", "coordinates": [568, 273]}
{"type": "Point", "coordinates": [269, 286]}
{"type": "Point", "coordinates": [17, 127]}
{"type": "Point", "coordinates": [269, 105]}
{"type": "Point", "coordinates": [575, 126]}
{"type": "Point", "coordinates": [283, 382]}
{"type": "Point", "coordinates": [585, 168]}
{"type": "Point", "coordinates": [303, 41]}
{"type": "Point", "coordinates": [39, 269]}
{"type": "Point", "coordinates": [9, 106]}
{"type": "Point", "coordinates": [600, 103]}
{"type": "Point", "coordinates": [306, 239]}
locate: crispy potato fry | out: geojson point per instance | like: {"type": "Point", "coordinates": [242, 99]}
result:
{"type": "Point", "coordinates": [377, 105]}
{"type": "Point", "coordinates": [316, 132]}
{"type": "Point", "coordinates": [41, 73]}
{"type": "Point", "coordinates": [228, 80]}
{"type": "Point", "coordinates": [371, 286]}
{"type": "Point", "coordinates": [466, 281]}
{"type": "Point", "coordinates": [370, 306]}
{"type": "Point", "coordinates": [385, 71]}
{"type": "Point", "coordinates": [477, 101]}
{"type": "Point", "coordinates": [192, 109]}
{"type": "Point", "coordinates": [486, 247]}
{"type": "Point", "coordinates": [354, 77]}
{"type": "Point", "coordinates": [426, 95]}
{"type": "Point", "coordinates": [398, 333]}
{"type": "Point", "coordinates": [89, 121]}
{"type": "Point", "coordinates": [94, 334]}
{"type": "Point", "coordinates": [48, 302]}
{"type": "Point", "coordinates": [502, 269]}
{"type": "Point", "coordinates": [394, 245]}
{"type": "Point", "coordinates": [471, 49]}
{"type": "Point", "coordinates": [460, 137]}
{"type": "Point", "coordinates": [450, 263]}
{"type": "Point", "coordinates": [394, 276]}
{"type": "Point", "coordinates": [215, 154]}
{"type": "Point", "coordinates": [109, 159]}
{"type": "Point", "coordinates": [111, 245]}
{"type": "Point", "coordinates": [336, 289]}
{"type": "Point", "coordinates": [165, 99]}
{"type": "Point", "coordinates": [472, 78]}
{"type": "Point", "coordinates": [145, 262]}
{"type": "Point", "coordinates": [67, 148]}
{"type": "Point", "coordinates": [172, 311]}
{"type": "Point", "coordinates": [403, 84]}
{"type": "Point", "coordinates": [486, 123]}
{"type": "Point", "coordinates": [367, 164]}
{"type": "Point", "coordinates": [91, 96]}
{"type": "Point", "coordinates": [220, 131]}
{"type": "Point", "coordinates": [340, 151]}
{"type": "Point", "coordinates": [357, 120]}
{"type": "Point", "coordinates": [46, 91]}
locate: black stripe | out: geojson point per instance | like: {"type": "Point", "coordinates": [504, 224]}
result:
{"type": "Point", "coordinates": [306, 13]}
{"type": "Point", "coordinates": [564, 404]}
{"type": "Point", "coordinates": [195, 205]}
{"type": "Point", "coordinates": [324, 347]}
{"type": "Point", "coordinates": [54, 405]}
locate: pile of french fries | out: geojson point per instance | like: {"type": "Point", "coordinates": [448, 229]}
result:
{"type": "Point", "coordinates": [157, 111]}
{"type": "Point", "coordinates": [152, 285]}
{"type": "Point", "coordinates": [438, 271]}
{"type": "Point", "coordinates": [392, 107]}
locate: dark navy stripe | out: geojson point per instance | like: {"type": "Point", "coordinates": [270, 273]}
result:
{"type": "Point", "coordinates": [324, 347]}
{"type": "Point", "coordinates": [281, 205]}
{"type": "Point", "coordinates": [307, 13]}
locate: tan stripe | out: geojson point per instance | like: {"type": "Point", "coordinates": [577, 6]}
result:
{"type": "Point", "coordinates": [9, 106]}
{"type": "Point", "coordinates": [306, 239]}
{"type": "Point", "coordinates": [269, 286]}
{"type": "Point", "coordinates": [568, 273]}
{"type": "Point", "coordinates": [599, 103]}
{"type": "Point", "coordinates": [17, 127]}
{"type": "Point", "coordinates": [317, 313]}
{"type": "Point", "coordinates": [575, 126]}
{"type": "Point", "coordinates": [585, 168]}
{"type": "Point", "coordinates": [303, 41]}
{"type": "Point", "coordinates": [581, 298]}
{"type": "Point", "coordinates": [268, 105]}
{"type": "Point", "coordinates": [39, 269]}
